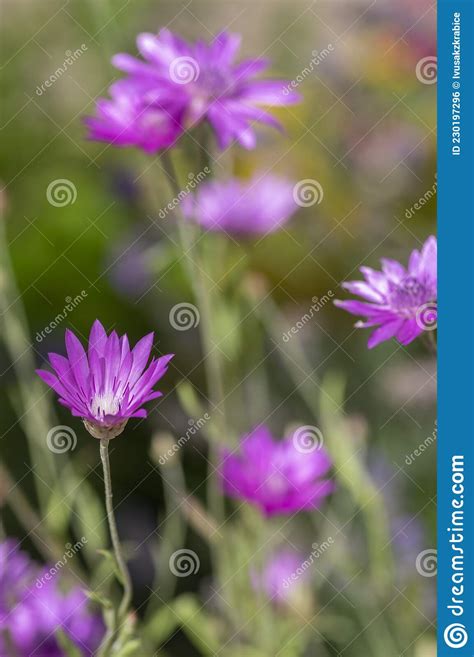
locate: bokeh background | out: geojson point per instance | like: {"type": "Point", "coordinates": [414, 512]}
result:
{"type": "Point", "coordinates": [366, 132]}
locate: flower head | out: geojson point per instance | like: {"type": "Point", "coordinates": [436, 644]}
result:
{"type": "Point", "coordinates": [400, 301]}
{"type": "Point", "coordinates": [276, 476]}
{"type": "Point", "coordinates": [110, 383]}
{"type": "Point", "coordinates": [135, 117]}
{"type": "Point", "coordinates": [189, 83]}
{"type": "Point", "coordinates": [282, 577]}
{"type": "Point", "coordinates": [33, 608]}
{"type": "Point", "coordinates": [259, 206]}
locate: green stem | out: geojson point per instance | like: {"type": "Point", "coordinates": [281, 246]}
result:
{"type": "Point", "coordinates": [212, 360]}
{"type": "Point", "coordinates": [122, 566]}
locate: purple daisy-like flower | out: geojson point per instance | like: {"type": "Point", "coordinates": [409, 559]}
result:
{"type": "Point", "coordinates": [255, 207]}
{"type": "Point", "coordinates": [109, 384]}
{"type": "Point", "coordinates": [400, 301]}
{"type": "Point", "coordinates": [190, 83]}
{"type": "Point", "coordinates": [135, 117]}
{"type": "Point", "coordinates": [276, 476]}
{"type": "Point", "coordinates": [33, 609]}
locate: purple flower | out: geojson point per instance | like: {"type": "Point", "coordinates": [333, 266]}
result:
{"type": "Point", "coordinates": [276, 476]}
{"type": "Point", "coordinates": [188, 83]}
{"type": "Point", "coordinates": [401, 302]}
{"type": "Point", "coordinates": [134, 117]}
{"type": "Point", "coordinates": [33, 609]}
{"type": "Point", "coordinates": [258, 206]}
{"type": "Point", "coordinates": [282, 577]}
{"type": "Point", "coordinates": [110, 383]}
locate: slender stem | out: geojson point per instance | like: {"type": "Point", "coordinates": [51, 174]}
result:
{"type": "Point", "coordinates": [122, 566]}
{"type": "Point", "coordinates": [212, 360]}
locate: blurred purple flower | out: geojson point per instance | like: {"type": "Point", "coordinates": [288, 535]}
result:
{"type": "Point", "coordinates": [109, 384]}
{"type": "Point", "coordinates": [282, 577]}
{"type": "Point", "coordinates": [401, 302]}
{"type": "Point", "coordinates": [30, 615]}
{"type": "Point", "coordinates": [259, 206]}
{"type": "Point", "coordinates": [135, 117]}
{"type": "Point", "coordinates": [180, 84]}
{"type": "Point", "coordinates": [276, 476]}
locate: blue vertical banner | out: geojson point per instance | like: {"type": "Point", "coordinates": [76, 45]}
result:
{"type": "Point", "coordinates": [456, 328]}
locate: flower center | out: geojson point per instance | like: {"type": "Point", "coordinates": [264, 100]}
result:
{"type": "Point", "coordinates": [276, 483]}
{"type": "Point", "coordinates": [105, 404]}
{"type": "Point", "coordinates": [408, 295]}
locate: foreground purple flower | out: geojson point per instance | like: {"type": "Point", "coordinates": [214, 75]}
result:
{"type": "Point", "coordinates": [276, 476]}
{"type": "Point", "coordinates": [33, 609]}
{"type": "Point", "coordinates": [110, 383]}
{"type": "Point", "coordinates": [255, 207]}
{"type": "Point", "coordinates": [180, 84]}
{"type": "Point", "coordinates": [401, 302]}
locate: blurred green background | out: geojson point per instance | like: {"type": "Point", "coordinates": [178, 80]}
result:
{"type": "Point", "coordinates": [365, 132]}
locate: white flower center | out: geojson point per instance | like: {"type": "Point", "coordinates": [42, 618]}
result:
{"type": "Point", "coordinates": [105, 404]}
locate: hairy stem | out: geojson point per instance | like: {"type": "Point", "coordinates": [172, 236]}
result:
{"type": "Point", "coordinates": [122, 566]}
